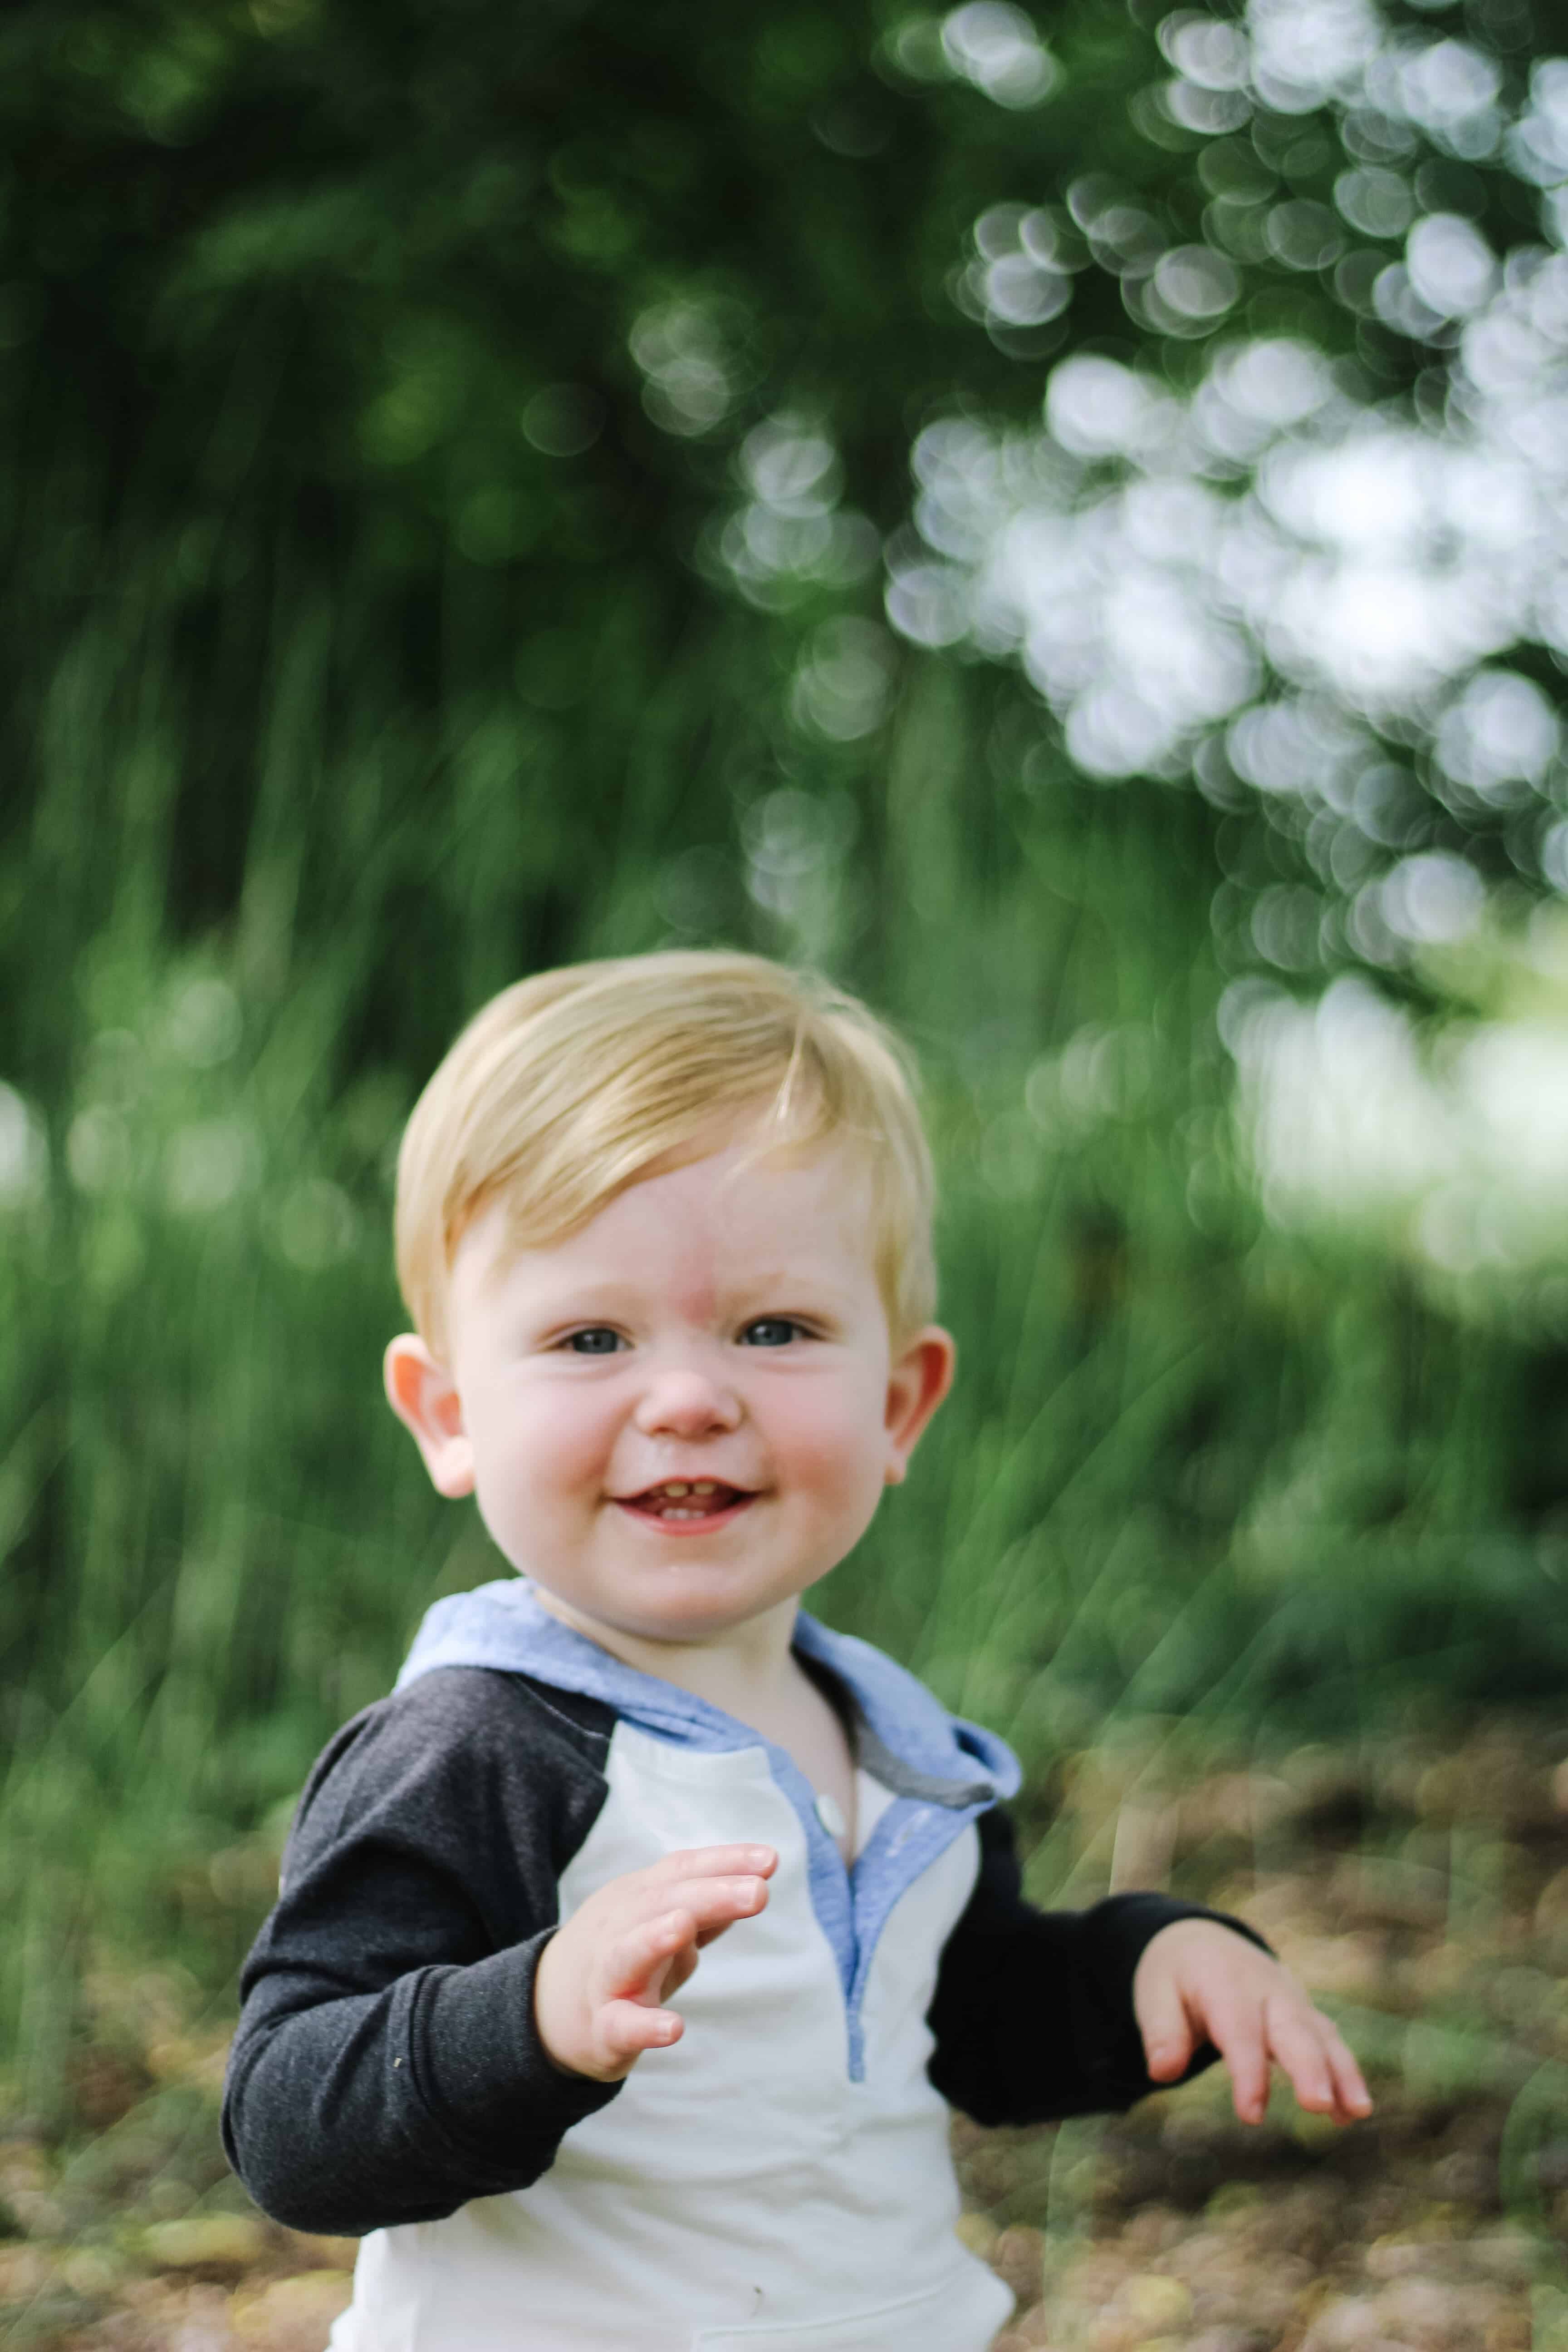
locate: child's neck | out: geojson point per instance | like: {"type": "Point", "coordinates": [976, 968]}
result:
{"type": "Point", "coordinates": [751, 1672]}
{"type": "Point", "coordinates": [744, 1671]}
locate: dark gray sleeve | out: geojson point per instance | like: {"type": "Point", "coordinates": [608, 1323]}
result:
{"type": "Point", "coordinates": [1032, 2010]}
{"type": "Point", "coordinates": [387, 2067]}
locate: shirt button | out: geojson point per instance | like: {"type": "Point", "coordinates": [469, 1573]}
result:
{"type": "Point", "coordinates": [832, 1820]}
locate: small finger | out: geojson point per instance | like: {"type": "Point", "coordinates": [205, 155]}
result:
{"type": "Point", "coordinates": [1295, 2041]}
{"type": "Point", "coordinates": [679, 1969]}
{"type": "Point", "coordinates": [1238, 2035]}
{"type": "Point", "coordinates": [745, 1900]}
{"type": "Point", "coordinates": [716, 1862]}
{"type": "Point", "coordinates": [1350, 2084]}
{"type": "Point", "coordinates": [1162, 2020]}
{"type": "Point", "coordinates": [714, 1903]}
{"type": "Point", "coordinates": [627, 2029]}
{"type": "Point", "coordinates": [644, 1953]}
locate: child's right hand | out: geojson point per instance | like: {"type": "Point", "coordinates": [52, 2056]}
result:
{"type": "Point", "coordinates": [603, 1976]}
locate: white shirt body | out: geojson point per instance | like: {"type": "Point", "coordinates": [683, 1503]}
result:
{"type": "Point", "coordinates": [742, 2193]}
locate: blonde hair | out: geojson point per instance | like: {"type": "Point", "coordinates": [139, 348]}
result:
{"type": "Point", "coordinates": [569, 1087]}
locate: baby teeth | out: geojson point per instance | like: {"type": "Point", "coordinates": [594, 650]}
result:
{"type": "Point", "coordinates": [669, 1500]}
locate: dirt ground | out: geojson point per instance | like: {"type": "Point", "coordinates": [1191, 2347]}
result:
{"type": "Point", "coordinates": [1419, 1886]}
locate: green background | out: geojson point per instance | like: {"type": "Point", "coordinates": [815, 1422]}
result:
{"type": "Point", "coordinates": [378, 382]}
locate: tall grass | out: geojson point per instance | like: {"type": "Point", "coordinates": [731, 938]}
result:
{"type": "Point", "coordinates": [1190, 1469]}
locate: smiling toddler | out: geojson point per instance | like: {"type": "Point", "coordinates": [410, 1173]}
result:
{"type": "Point", "coordinates": [664, 1231]}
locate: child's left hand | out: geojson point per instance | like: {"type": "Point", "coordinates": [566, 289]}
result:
{"type": "Point", "coordinates": [1198, 1981]}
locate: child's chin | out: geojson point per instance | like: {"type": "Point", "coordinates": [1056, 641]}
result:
{"type": "Point", "coordinates": [692, 1607]}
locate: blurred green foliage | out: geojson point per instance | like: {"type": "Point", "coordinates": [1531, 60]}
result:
{"type": "Point", "coordinates": [377, 387]}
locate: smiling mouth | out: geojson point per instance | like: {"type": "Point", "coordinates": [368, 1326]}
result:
{"type": "Point", "coordinates": [686, 1502]}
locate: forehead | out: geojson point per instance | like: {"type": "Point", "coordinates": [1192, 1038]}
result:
{"type": "Point", "coordinates": [734, 1214]}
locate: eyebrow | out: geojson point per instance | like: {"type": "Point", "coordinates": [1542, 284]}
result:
{"type": "Point", "coordinates": [780, 1286]}
{"type": "Point", "coordinates": [784, 1279]}
{"type": "Point", "coordinates": [587, 1294]}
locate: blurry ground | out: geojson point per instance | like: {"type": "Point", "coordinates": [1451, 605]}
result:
{"type": "Point", "coordinates": [1421, 1888]}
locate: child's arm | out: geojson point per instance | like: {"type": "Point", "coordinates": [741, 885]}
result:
{"type": "Point", "coordinates": [389, 2066]}
{"type": "Point", "coordinates": [1042, 2014]}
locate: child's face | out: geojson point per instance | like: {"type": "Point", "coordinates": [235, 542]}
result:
{"type": "Point", "coordinates": [684, 1414]}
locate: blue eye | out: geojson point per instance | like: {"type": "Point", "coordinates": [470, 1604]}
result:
{"type": "Point", "coordinates": [598, 1339]}
{"type": "Point", "coordinates": [771, 1331]}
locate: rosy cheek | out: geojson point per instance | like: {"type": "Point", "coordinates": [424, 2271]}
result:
{"type": "Point", "coordinates": [825, 1439]}
{"type": "Point", "coordinates": [545, 1440]}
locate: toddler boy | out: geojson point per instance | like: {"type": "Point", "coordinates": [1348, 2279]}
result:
{"type": "Point", "coordinates": [663, 1227]}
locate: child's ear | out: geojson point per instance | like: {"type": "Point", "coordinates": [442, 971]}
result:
{"type": "Point", "coordinates": [917, 1383]}
{"type": "Point", "coordinates": [423, 1396]}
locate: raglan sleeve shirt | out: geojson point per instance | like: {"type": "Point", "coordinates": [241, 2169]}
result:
{"type": "Point", "coordinates": [387, 2068]}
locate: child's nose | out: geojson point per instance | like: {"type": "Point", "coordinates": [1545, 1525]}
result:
{"type": "Point", "coordinates": [686, 1403]}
